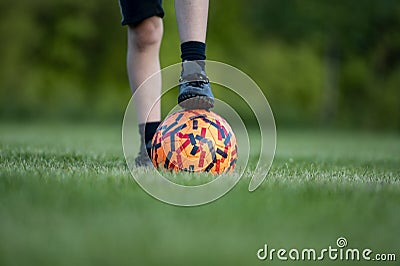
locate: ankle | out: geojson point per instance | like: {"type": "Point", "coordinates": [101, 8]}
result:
{"type": "Point", "coordinates": [193, 50]}
{"type": "Point", "coordinates": [147, 131]}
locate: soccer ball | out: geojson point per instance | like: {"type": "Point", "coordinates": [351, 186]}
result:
{"type": "Point", "coordinates": [194, 141]}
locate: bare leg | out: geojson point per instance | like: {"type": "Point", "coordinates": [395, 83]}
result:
{"type": "Point", "coordinates": [143, 61]}
{"type": "Point", "coordinates": [192, 16]}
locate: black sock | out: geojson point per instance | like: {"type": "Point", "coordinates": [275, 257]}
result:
{"type": "Point", "coordinates": [147, 132]}
{"type": "Point", "coordinates": [150, 130]}
{"type": "Point", "coordinates": [193, 50]}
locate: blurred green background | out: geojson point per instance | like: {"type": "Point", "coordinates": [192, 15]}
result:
{"type": "Point", "coordinates": [320, 63]}
{"type": "Point", "coordinates": [66, 194]}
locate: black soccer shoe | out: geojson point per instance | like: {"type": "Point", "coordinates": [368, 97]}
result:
{"type": "Point", "coordinates": [194, 87]}
{"type": "Point", "coordinates": [143, 160]}
{"type": "Point", "coordinates": [143, 157]}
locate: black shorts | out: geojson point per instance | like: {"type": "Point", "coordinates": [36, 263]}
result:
{"type": "Point", "coordinates": [135, 11]}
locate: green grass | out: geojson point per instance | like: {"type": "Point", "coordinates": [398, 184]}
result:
{"type": "Point", "coordinates": [67, 198]}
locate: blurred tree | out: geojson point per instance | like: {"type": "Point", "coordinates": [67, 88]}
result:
{"type": "Point", "coordinates": [342, 31]}
{"type": "Point", "coordinates": [60, 56]}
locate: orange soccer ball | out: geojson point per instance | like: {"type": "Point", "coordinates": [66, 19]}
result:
{"type": "Point", "coordinates": [194, 141]}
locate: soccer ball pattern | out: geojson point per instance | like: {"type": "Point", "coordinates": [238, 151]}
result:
{"type": "Point", "coordinates": [194, 141]}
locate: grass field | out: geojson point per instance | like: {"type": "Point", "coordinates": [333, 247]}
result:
{"type": "Point", "coordinates": [67, 198]}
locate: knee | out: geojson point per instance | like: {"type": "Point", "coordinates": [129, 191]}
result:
{"type": "Point", "coordinates": [146, 34]}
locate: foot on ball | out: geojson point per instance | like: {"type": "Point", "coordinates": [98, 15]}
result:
{"type": "Point", "coordinates": [194, 87]}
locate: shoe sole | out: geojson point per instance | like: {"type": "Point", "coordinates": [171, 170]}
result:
{"type": "Point", "coordinates": [195, 102]}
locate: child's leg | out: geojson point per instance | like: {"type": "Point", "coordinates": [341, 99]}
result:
{"type": "Point", "coordinates": [194, 89]}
